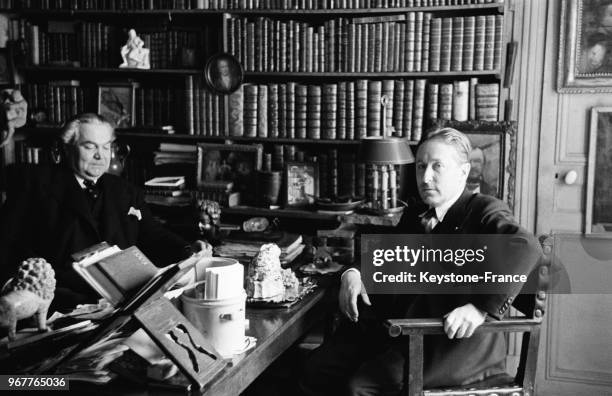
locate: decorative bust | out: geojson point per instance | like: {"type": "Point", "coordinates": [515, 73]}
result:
{"type": "Point", "coordinates": [133, 52]}
{"type": "Point", "coordinates": [13, 115]}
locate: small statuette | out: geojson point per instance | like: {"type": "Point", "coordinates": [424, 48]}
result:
{"type": "Point", "coordinates": [29, 293]}
{"type": "Point", "coordinates": [133, 52]}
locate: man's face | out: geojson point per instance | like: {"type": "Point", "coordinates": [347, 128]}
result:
{"type": "Point", "coordinates": [439, 173]}
{"type": "Point", "coordinates": [224, 68]}
{"type": "Point", "coordinates": [92, 152]}
{"type": "Point", "coordinates": [476, 163]}
{"type": "Point", "coordinates": [596, 55]}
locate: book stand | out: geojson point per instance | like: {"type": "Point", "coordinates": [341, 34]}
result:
{"type": "Point", "coordinates": [168, 328]}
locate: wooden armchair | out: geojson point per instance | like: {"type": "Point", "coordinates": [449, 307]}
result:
{"type": "Point", "coordinates": [524, 382]}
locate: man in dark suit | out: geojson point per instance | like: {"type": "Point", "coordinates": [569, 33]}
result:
{"type": "Point", "coordinates": [60, 210]}
{"type": "Point", "coordinates": [361, 359]}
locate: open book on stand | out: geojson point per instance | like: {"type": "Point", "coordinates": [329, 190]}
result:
{"type": "Point", "coordinates": [118, 275]}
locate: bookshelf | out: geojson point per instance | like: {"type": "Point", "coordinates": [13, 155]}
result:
{"type": "Point", "coordinates": [315, 74]}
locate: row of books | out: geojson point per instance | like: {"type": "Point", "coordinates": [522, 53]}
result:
{"type": "Point", "coordinates": [25, 153]}
{"type": "Point", "coordinates": [94, 44]}
{"type": "Point", "coordinates": [57, 101]}
{"type": "Point", "coordinates": [193, 108]}
{"type": "Point", "coordinates": [410, 42]}
{"type": "Point", "coordinates": [463, 100]}
{"type": "Point", "coordinates": [353, 110]}
{"type": "Point", "coordinates": [235, 4]}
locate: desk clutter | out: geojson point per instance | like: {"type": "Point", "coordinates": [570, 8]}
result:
{"type": "Point", "coordinates": [183, 351]}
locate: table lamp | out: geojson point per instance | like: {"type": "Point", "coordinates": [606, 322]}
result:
{"type": "Point", "coordinates": [383, 156]}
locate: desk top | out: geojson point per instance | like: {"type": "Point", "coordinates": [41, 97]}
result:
{"type": "Point", "coordinates": [276, 330]}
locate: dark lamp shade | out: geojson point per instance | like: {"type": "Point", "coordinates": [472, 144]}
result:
{"type": "Point", "coordinates": [391, 150]}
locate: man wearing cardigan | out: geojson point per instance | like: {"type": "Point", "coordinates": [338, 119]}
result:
{"type": "Point", "coordinates": [361, 359]}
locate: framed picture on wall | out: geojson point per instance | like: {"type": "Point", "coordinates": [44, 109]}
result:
{"type": "Point", "coordinates": [598, 217]}
{"type": "Point", "coordinates": [223, 73]}
{"type": "Point", "coordinates": [585, 47]}
{"type": "Point", "coordinates": [302, 183]}
{"type": "Point", "coordinates": [493, 156]}
{"type": "Point", "coordinates": [116, 101]}
{"type": "Point", "coordinates": [233, 165]}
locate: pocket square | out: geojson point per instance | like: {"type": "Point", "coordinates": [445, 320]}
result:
{"type": "Point", "coordinates": [135, 212]}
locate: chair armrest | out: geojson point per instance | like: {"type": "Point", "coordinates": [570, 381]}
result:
{"type": "Point", "coordinates": [397, 327]}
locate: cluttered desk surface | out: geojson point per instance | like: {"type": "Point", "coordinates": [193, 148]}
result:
{"type": "Point", "coordinates": [276, 329]}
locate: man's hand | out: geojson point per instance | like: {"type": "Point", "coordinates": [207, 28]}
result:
{"type": "Point", "coordinates": [463, 321]}
{"type": "Point", "coordinates": [203, 248]}
{"type": "Point", "coordinates": [350, 288]}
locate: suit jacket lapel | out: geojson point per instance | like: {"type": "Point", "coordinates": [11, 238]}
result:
{"type": "Point", "coordinates": [67, 191]}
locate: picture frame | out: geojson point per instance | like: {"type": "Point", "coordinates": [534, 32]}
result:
{"type": "Point", "coordinates": [585, 47]}
{"type": "Point", "coordinates": [301, 183]}
{"type": "Point", "coordinates": [493, 157]}
{"type": "Point", "coordinates": [223, 73]}
{"type": "Point", "coordinates": [222, 164]}
{"type": "Point", "coordinates": [598, 216]}
{"type": "Point", "coordinates": [116, 101]}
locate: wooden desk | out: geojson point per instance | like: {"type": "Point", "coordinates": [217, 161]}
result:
{"type": "Point", "coordinates": [276, 330]}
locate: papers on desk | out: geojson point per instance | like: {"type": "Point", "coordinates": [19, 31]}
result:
{"type": "Point", "coordinates": [223, 282]}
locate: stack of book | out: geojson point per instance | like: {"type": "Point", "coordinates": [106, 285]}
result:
{"type": "Point", "coordinates": [167, 186]}
{"type": "Point", "coordinates": [175, 153]}
{"type": "Point", "coordinates": [244, 246]}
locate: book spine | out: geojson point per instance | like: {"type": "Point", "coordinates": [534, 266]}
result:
{"type": "Point", "coordinates": [250, 110]}
{"type": "Point", "coordinates": [350, 110]}
{"type": "Point", "coordinates": [410, 41]}
{"type": "Point", "coordinates": [426, 41]}
{"type": "Point", "coordinates": [499, 42]}
{"type": "Point", "coordinates": [341, 111]}
{"type": "Point", "coordinates": [328, 111]}
{"type": "Point", "coordinates": [388, 88]}
{"type": "Point", "coordinates": [479, 43]}
{"type": "Point", "coordinates": [419, 109]}
{"type": "Point", "coordinates": [236, 110]}
{"type": "Point", "coordinates": [457, 44]}
{"type": "Point", "coordinates": [301, 111]}
{"type": "Point", "coordinates": [446, 44]}
{"type": "Point", "coordinates": [472, 108]}
{"type": "Point", "coordinates": [314, 112]}
{"type": "Point", "coordinates": [435, 44]}
{"type": "Point", "coordinates": [398, 107]}
{"type": "Point", "coordinates": [374, 108]}
{"type": "Point", "coordinates": [489, 48]}
{"type": "Point", "coordinates": [273, 110]}
{"type": "Point", "coordinates": [468, 43]}
{"type": "Point", "coordinates": [408, 106]}
{"type": "Point", "coordinates": [461, 93]}
{"type": "Point", "coordinates": [290, 115]}
{"type": "Point", "coordinates": [446, 101]}
{"type": "Point", "coordinates": [487, 102]}
{"type": "Point", "coordinates": [262, 111]}
{"type": "Point", "coordinates": [432, 101]}
{"type": "Point", "coordinates": [418, 41]}
{"type": "Point", "coordinates": [282, 110]}
{"type": "Point", "coordinates": [361, 109]}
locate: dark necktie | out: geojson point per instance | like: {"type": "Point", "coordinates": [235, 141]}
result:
{"type": "Point", "coordinates": [429, 220]}
{"type": "Point", "coordinates": [91, 189]}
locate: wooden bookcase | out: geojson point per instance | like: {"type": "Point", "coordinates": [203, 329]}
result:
{"type": "Point", "coordinates": [221, 34]}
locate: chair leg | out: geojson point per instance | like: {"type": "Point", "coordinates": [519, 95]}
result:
{"type": "Point", "coordinates": [531, 362]}
{"type": "Point", "coordinates": [414, 365]}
